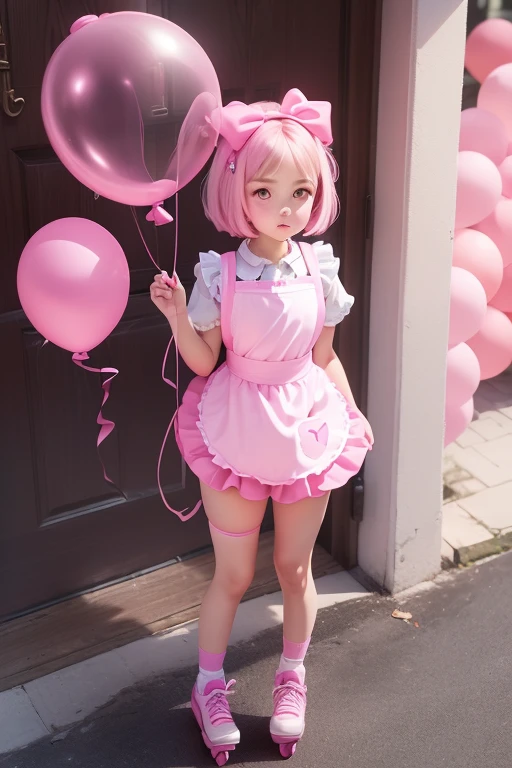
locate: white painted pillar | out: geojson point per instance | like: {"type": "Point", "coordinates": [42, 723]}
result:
{"type": "Point", "coordinates": [420, 91]}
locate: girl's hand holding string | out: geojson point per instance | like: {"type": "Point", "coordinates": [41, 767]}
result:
{"type": "Point", "coordinates": [168, 295]}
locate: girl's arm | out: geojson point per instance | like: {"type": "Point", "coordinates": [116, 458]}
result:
{"type": "Point", "coordinates": [200, 351]}
{"type": "Point", "coordinates": [325, 357]}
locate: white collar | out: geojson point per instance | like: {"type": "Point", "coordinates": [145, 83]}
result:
{"type": "Point", "coordinates": [257, 264]}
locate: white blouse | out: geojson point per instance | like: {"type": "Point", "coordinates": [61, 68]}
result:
{"type": "Point", "coordinates": [204, 303]}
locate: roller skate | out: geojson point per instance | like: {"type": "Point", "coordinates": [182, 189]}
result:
{"type": "Point", "coordinates": [213, 716]}
{"type": "Point", "coordinates": [287, 723]}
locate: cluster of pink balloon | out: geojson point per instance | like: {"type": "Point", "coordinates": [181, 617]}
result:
{"type": "Point", "coordinates": [480, 339]}
{"type": "Point", "coordinates": [127, 101]}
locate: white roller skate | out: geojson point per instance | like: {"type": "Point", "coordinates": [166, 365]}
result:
{"type": "Point", "coordinates": [288, 721]}
{"type": "Point", "coordinates": [213, 716]}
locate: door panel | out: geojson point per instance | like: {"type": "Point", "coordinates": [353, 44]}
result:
{"type": "Point", "coordinates": [63, 528]}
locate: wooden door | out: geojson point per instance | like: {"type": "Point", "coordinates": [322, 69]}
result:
{"type": "Point", "coordinates": [63, 528]}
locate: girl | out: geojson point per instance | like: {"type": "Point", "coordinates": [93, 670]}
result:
{"type": "Point", "coordinates": [278, 419]}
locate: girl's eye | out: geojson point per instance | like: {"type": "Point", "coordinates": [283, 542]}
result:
{"type": "Point", "coordinates": [262, 193]}
{"type": "Point", "coordinates": [300, 193]}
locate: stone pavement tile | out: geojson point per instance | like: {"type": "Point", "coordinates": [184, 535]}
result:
{"type": "Point", "coordinates": [507, 411]}
{"type": "Point", "coordinates": [69, 695]}
{"type": "Point", "coordinates": [499, 452]}
{"type": "Point", "coordinates": [449, 450]}
{"type": "Point", "coordinates": [504, 421]}
{"type": "Point", "coordinates": [493, 507]}
{"type": "Point", "coordinates": [467, 487]}
{"type": "Point", "coordinates": [469, 437]}
{"type": "Point", "coordinates": [19, 721]}
{"type": "Point", "coordinates": [447, 551]}
{"type": "Point", "coordinates": [459, 529]}
{"type": "Point", "coordinates": [479, 466]}
{"type": "Point", "coordinates": [487, 428]}
{"type": "Point", "coordinates": [455, 476]}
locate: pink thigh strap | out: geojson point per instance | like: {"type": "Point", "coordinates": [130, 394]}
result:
{"type": "Point", "coordinates": [235, 535]}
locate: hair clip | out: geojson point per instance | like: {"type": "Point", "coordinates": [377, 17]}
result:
{"type": "Point", "coordinates": [231, 167]}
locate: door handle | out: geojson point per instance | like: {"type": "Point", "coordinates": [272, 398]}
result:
{"type": "Point", "coordinates": [12, 105]}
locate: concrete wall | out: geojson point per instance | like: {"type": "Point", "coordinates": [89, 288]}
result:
{"type": "Point", "coordinates": [418, 124]}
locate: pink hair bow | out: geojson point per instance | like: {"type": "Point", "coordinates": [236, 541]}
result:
{"type": "Point", "coordinates": [238, 121]}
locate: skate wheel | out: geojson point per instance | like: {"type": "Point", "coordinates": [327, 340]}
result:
{"type": "Point", "coordinates": [222, 758]}
{"type": "Point", "coordinates": [287, 750]}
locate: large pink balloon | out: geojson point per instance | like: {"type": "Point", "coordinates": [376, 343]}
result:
{"type": "Point", "coordinates": [498, 226]}
{"type": "Point", "coordinates": [476, 252]}
{"type": "Point", "coordinates": [117, 94]}
{"type": "Point", "coordinates": [483, 132]}
{"type": "Point", "coordinates": [457, 419]}
{"type": "Point", "coordinates": [495, 95]}
{"type": "Point", "coordinates": [73, 283]}
{"type": "Point", "coordinates": [493, 344]}
{"type": "Point", "coordinates": [467, 306]}
{"type": "Point", "coordinates": [505, 169]}
{"type": "Point", "coordinates": [478, 188]}
{"type": "Point", "coordinates": [488, 45]}
{"type": "Point", "coordinates": [462, 375]}
{"type": "Point", "coordinates": [503, 298]}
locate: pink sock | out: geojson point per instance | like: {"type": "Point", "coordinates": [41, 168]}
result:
{"type": "Point", "coordinates": [211, 662]}
{"type": "Point", "coordinates": [295, 651]}
{"type": "Point", "coordinates": [210, 668]}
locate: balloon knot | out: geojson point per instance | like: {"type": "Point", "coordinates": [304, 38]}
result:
{"type": "Point", "coordinates": [159, 215]}
{"type": "Point", "coordinates": [81, 22]}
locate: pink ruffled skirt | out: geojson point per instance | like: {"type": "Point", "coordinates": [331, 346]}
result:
{"type": "Point", "coordinates": [201, 461]}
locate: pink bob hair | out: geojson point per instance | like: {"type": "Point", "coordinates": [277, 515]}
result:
{"type": "Point", "coordinates": [224, 192]}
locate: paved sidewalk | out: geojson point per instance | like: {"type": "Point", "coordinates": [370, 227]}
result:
{"type": "Point", "coordinates": [382, 693]}
{"type": "Point", "coordinates": [51, 704]}
{"type": "Point", "coordinates": [477, 514]}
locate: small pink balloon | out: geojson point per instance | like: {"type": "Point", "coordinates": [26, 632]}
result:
{"type": "Point", "coordinates": [495, 95]}
{"type": "Point", "coordinates": [457, 419]}
{"type": "Point", "coordinates": [483, 132]}
{"type": "Point", "coordinates": [476, 252]}
{"type": "Point", "coordinates": [498, 226]}
{"type": "Point", "coordinates": [467, 306]}
{"type": "Point", "coordinates": [503, 298]}
{"type": "Point", "coordinates": [462, 375]}
{"type": "Point", "coordinates": [73, 283]}
{"type": "Point", "coordinates": [488, 45]}
{"type": "Point", "coordinates": [493, 344]}
{"type": "Point", "coordinates": [478, 188]}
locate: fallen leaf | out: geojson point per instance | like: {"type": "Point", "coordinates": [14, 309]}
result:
{"type": "Point", "coordinates": [401, 614]}
{"type": "Point", "coordinates": [416, 625]}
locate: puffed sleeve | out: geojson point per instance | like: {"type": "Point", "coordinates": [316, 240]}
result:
{"type": "Point", "coordinates": [338, 302]}
{"type": "Point", "coordinates": [204, 302]}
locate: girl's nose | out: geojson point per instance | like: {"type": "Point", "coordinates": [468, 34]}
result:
{"type": "Point", "coordinates": [285, 211]}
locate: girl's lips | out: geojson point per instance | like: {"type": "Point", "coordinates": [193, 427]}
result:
{"type": "Point", "coordinates": [284, 225]}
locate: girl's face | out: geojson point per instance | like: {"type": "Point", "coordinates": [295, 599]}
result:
{"type": "Point", "coordinates": [279, 205]}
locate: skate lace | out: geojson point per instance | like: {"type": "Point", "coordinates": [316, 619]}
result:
{"type": "Point", "coordinates": [289, 699]}
{"type": "Point", "coordinates": [217, 705]}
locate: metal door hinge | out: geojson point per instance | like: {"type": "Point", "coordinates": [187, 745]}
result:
{"type": "Point", "coordinates": [12, 105]}
{"type": "Point", "coordinates": [357, 498]}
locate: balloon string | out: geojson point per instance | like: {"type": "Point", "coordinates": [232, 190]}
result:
{"type": "Point", "coordinates": [106, 426]}
{"type": "Point", "coordinates": [180, 513]}
{"type": "Point", "coordinates": [142, 237]}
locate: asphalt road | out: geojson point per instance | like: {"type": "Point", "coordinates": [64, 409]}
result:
{"type": "Point", "coordinates": [382, 693]}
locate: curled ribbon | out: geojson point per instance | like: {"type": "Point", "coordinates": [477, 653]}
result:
{"type": "Point", "coordinates": [159, 215]}
{"type": "Point", "coordinates": [106, 426]}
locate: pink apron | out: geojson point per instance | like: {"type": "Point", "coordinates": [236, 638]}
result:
{"type": "Point", "coordinates": [269, 421]}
